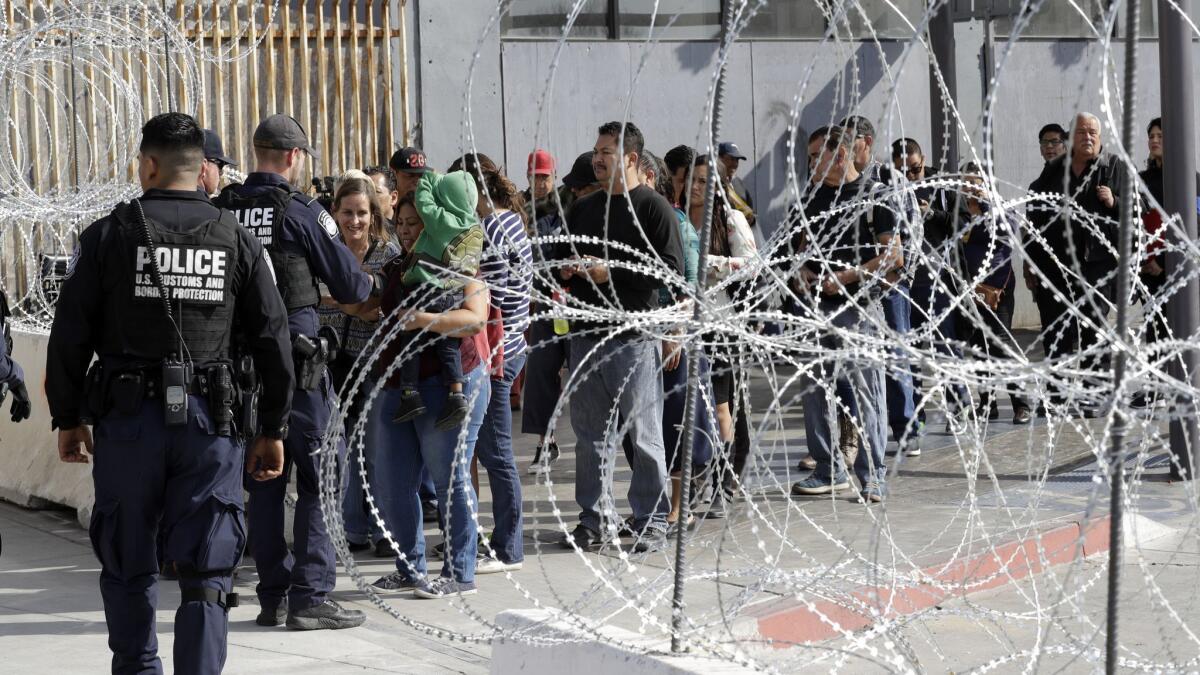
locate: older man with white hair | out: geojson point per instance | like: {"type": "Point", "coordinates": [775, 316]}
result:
{"type": "Point", "coordinates": [1072, 246]}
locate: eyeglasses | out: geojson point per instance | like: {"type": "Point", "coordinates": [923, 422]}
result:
{"type": "Point", "coordinates": [219, 164]}
{"type": "Point", "coordinates": [1050, 142]}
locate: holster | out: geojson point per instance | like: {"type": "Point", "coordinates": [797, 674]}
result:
{"type": "Point", "coordinates": [249, 390]}
{"type": "Point", "coordinates": [94, 394]}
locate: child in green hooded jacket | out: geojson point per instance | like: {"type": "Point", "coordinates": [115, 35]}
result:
{"type": "Point", "coordinates": [445, 256]}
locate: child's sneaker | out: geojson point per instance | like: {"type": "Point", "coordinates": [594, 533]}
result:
{"type": "Point", "coordinates": [453, 413]}
{"type": "Point", "coordinates": [411, 406]}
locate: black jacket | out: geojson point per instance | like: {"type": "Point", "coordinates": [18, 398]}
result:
{"type": "Point", "coordinates": [1068, 238]}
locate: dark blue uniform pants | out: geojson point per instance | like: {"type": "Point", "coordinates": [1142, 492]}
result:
{"type": "Point", "coordinates": [189, 480]}
{"type": "Point", "coordinates": [306, 576]}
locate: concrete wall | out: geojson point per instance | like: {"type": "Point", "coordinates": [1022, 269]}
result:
{"type": "Point", "coordinates": [30, 472]}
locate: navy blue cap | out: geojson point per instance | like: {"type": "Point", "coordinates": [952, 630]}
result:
{"type": "Point", "coordinates": [729, 150]}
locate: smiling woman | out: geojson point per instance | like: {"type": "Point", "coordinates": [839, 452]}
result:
{"type": "Point", "coordinates": [360, 223]}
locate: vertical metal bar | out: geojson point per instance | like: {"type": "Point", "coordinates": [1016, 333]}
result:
{"type": "Point", "coordinates": [405, 126]}
{"type": "Point", "coordinates": [371, 139]}
{"type": "Point", "coordinates": [339, 91]}
{"type": "Point", "coordinates": [323, 96]}
{"type": "Point", "coordinates": [252, 54]}
{"type": "Point", "coordinates": [693, 351]}
{"type": "Point", "coordinates": [218, 93]}
{"type": "Point", "coordinates": [306, 75]}
{"type": "Point", "coordinates": [183, 98]}
{"type": "Point", "coordinates": [74, 118]}
{"type": "Point", "coordinates": [614, 22]}
{"type": "Point", "coordinates": [272, 79]}
{"type": "Point", "coordinates": [202, 94]}
{"type": "Point", "coordinates": [1120, 355]}
{"type": "Point", "coordinates": [356, 88]}
{"type": "Point", "coordinates": [288, 75]}
{"type": "Point", "coordinates": [988, 61]}
{"type": "Point", "coordinates": [1178, 84]}
{"type": "Point", "coordinates": [169, 100]}
{"type": "Point", "coordinates": [943, 132]}
{"type": "Point", "coordinates": [145, 59]}
{"type": "Point", "coordinates": [235, 81]}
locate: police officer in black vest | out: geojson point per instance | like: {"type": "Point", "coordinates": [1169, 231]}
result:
{"type": "Point", "coordinates": [301, 239]}
{"type": "Point", "coordinates": [155, 290]}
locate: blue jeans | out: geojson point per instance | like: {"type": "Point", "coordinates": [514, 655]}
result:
{"type": "Point", "coordinates": [901, 411]}
{"type": "Point", "coordinates": [623, 373]}
{"type": "Point", "coordinates": [404, 449]}
{"type": "Point", "coordinates": [495, 454]}
{"type": "Point", "coordinates": [860, 386]}
{"type": "Point", "coordinates": [932, 304]}
{"type": "Point", "coordinates": [361, 527]}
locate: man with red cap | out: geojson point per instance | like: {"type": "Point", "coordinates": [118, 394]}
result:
{"type": "Point", "coordinates": [541, 199]}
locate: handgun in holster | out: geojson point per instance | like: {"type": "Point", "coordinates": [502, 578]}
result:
{"type": "Point", "coordinates": [312, 356]}
{"type": "Point", "coordinates": [249, 389]}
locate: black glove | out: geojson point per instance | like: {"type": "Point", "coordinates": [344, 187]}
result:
{"type": "Point", "coordinates": [21, 405]}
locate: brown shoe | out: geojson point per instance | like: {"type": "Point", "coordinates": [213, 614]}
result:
{"type": "Point", "coordinates": [848, 439]}
{"type": "Point", "coordinates": [808, 463]}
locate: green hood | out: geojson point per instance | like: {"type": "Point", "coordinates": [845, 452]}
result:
{"type": "Point", "coordinates": [456, 196]}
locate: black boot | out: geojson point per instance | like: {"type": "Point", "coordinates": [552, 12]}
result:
{"type": "Point", "coordinates": [411, 406]}
{"type": "Point", "coordinates": [453, 413]}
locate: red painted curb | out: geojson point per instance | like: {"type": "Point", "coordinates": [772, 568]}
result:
{"type": "Point", "coordinates": [791, 621]}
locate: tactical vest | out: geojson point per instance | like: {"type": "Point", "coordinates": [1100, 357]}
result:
{"type": "Point", "coordinates": [262, 215]}
{"type": "Point", "coordinates": [196, 270]}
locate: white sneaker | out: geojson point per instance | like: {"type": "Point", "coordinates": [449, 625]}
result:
{"type": "Point", "coordinates": [490, 565]}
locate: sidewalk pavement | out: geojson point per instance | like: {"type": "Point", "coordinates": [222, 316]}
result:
{"type": "Point", "coordinates": [771, 550]}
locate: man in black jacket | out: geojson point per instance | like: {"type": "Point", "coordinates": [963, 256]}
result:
{"type": "Point", "coordinates": [1072, 245]}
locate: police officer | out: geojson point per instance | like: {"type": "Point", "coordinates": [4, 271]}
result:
{"type": "Point", "coordinates": [301, 240]}
{"type": "Point", "coordinates": [12, 378]}
{"type": "Point", "coordinates": [154, 289]}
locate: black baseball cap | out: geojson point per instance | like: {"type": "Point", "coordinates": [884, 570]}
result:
{"type": "Point", "coordinates": [282, 132]}
{"type": "Point", "coordinates": [409, 160]}
{"type": "Point", "coordinates": [729, 150]}
{"type": "Point", "coordinates": [582, 174]}
{"type": "Point", "coordinates": [214, 150]}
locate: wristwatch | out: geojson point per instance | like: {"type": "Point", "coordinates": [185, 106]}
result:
{"type": "Point", "coordinates": [279, 433]}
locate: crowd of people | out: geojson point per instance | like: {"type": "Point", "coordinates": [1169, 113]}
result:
{"type": "Point", "coordinates": [437, 303]}
{"type": "Point", "coordinates": [905, 260]}
{"type": "Point", "coordinates": [909, 259]}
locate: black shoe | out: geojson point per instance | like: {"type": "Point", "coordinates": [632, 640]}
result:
{"type": "Point", "coordinates": [411, 406]}
{"type": "Point", "coordinates": [583, 538]}
{"type": "Point", "coordinates": [453, 413]}
{"type": "Point", "coordinates": [327, 615]}
{"type": "Point", "coordinates": [1022, 416]}
{"type": "Point", "coordinates": [383, 549]}
{"type": "Point", "coordinates": [990, 410]}
{"type": "Point", "coordinates": [718, 508]}
{"type": "Point", "coordinates": [429, 511]}
{"type": "Point", "coordinates": [355, 548]}
{"type": "Point", "coordinates": [652, 540]}
{"type": "Point", "coordinates": [272, 615]}
{"type": "Point", "coordinates": [543, 457]}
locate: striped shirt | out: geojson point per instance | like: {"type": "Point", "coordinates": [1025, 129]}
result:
{"type": "Point", "coordinates": [353, 331]}
{"type": "Point", "coordinates": [507, 269]}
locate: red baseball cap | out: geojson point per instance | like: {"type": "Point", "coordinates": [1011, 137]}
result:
{"type": "Point", "coordinates": [541, 163]}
